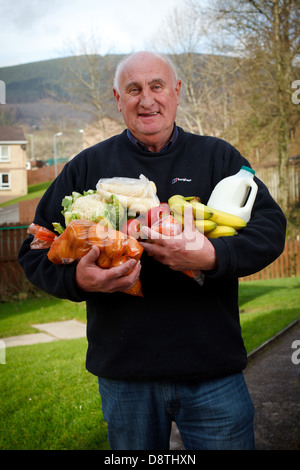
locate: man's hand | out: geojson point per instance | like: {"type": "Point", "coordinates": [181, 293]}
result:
{"type": "Point", "coordinates": [91, 278]}
{"type": "Point", "coordinates": [189, 250]}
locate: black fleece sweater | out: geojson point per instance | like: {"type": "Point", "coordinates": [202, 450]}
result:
{"type": "Point", "coordinates": [179, 330]}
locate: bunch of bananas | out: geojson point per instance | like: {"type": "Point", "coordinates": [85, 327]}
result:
{"type": "Point", "coordinates": [211, 222]}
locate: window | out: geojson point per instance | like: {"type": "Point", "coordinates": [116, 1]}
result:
{"type": "Point", "coordinates": [4, 181]}
{"type": "Point", "coordinates": [4, 153]}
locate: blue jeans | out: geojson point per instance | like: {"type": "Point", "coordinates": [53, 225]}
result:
{"type": "Point", "coordinates": [213, 414]}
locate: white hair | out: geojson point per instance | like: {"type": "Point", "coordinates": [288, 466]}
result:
{"type": "Point", "coordinates": [123, 62]}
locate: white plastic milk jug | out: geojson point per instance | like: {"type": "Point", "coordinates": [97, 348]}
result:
{"type": "Point", "coordinates": [235, 194]}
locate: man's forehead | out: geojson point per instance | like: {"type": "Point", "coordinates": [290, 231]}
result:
{"type": "Point", "coordinates": [150, 68]}
{"type": "Point", "coordinates": [143, 79]}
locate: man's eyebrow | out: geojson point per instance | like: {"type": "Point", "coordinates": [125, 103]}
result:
{"type": "Point", "coordinates": [157, 80]}
{"type": "Point", "coordinates": [132, 84]}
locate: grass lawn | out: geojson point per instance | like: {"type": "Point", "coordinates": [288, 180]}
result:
{"type": "Point", "coordinates": [49, 400]}
{"type": "Point", "coordinates": [17, 316]}
{"type": "Point", "coordinates": [34, 190]}
{"type": "Point", "coordinates": [267, 307]}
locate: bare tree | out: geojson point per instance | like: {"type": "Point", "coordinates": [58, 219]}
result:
{"type": "Point", "coordinates": [89, 76]}
{"type": "Point", "coordinates": [179, 35]}
{"type": "Point", "coordinates": [265, 33]}
{"type": "Point", "coordinates": [208, 92]}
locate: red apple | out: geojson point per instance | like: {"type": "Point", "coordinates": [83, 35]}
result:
{"type": "Point", "coordinates": [156, 213]}
{"type": "Point", "coordinates": [133, 227]}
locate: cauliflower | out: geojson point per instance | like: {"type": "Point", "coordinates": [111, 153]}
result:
{"type": "Point", "coordinates": [91, 206]}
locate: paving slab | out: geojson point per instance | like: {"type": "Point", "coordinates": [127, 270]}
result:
{"type": "Point", "coordinates": [69, 329]}
{"type": "Point", "coordinates": [25, 340]}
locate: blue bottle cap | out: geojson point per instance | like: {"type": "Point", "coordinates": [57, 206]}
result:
{"type": "Point", "coordinates": [248, 169]}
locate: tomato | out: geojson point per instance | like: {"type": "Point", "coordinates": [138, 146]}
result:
{"type": "Point", "coordinates": [133, 227]}
{"type": "Point", "coordinates": [156, 213]}
{"type": "Point", "coordinates": [167, 226]}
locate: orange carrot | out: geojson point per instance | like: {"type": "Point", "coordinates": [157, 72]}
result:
{"type": "Point", "coordinates": [72, 244]}
{"type": "Point", "coordinates": [79, 237]}
{"type": "Point", "coordinates": [136, 289]}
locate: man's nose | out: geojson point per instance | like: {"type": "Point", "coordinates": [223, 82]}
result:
{"type": "Point", "coordinates": [147, 99]}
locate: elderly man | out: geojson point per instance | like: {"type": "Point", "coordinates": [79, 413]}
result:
{"type": "Point", "coordinates": [177, 353]}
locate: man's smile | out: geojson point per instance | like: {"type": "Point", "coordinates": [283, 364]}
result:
{"type": "Point", "coordinates": [148, 114]}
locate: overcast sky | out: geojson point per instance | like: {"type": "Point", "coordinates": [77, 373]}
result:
{"type": "Point", "coordinates": [33, 30]}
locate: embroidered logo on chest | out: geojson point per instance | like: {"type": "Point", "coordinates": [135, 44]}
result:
{"type": "Point", "coordinates": [176, 180]}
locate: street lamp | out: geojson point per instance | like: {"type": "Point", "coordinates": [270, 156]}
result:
{"type": "Point", "coordinates": [58, 134]}
{"type": "Point", "coordinates": [32, 147]}
{"type": "Point", "coordinates": [81, 131]}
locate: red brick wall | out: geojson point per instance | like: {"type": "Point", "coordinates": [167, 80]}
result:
{"type": "Point", "coordinates": [41, 175]}
{"type": "Point", "coordinates": [27, 210]}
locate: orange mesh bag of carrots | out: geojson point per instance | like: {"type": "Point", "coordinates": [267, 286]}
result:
{"type": "Point", "coordinates": [78, 238]}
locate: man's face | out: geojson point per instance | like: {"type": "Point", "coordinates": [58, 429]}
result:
{"type": "Point", "coordinates": [148, 99]}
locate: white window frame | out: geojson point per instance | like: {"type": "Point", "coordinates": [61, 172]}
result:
{"type": "Point", "coordinates": [5, 158]}
{"type": "Point", "coordinates": [4, 186]}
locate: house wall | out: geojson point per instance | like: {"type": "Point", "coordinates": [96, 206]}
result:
{"type": "Point", "coordinates": [16, 167]}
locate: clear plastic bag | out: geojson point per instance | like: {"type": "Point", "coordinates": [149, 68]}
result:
{"type": "Point", "coordinates": [42, 237]}
{"type": "Point", "coordinates": [167, 226]}
{"type": "Point", "coordinates": [137, 195]}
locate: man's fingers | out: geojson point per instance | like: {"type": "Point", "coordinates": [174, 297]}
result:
{"type": "Point", "coordinates": [149, 233]}
{"type": "Point", "coordinates": [112, 273]}
{"type": "Point", "coordinates": [124, 278]}
{"type": "Point", "coordinates": [189, 224]}
{"type": "Point", "coordinates": [92, 255]}
{"type": "Point", "coordinates": [123, 269]}
{"type": "Point", "coordinates": [151, 248]}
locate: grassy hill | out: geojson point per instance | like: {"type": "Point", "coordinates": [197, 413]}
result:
{"type": "Point", "coordinates": [28, 83]}
{"type": "Point", "coordinates": [39, 92]}
{"type": "Point", "coordinates": [31, 82]}
{"type": "Point", "coordinates": [43, 99]}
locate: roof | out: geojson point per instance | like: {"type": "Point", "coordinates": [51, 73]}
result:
{"type": "Point", "coordinates": [12, 134]}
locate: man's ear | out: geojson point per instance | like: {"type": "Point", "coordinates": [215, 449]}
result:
{"type": "Point", "coordinates": [117, 97]}
{"type": "Point", "coordinates": [177, 90]}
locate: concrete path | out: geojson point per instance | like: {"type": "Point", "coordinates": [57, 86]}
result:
{"type": "Point", "coordinates": [9, 214]}
{"type": "Point", "coordinates": [273, 379]}
{"type": "Point", "coordinates": [55, 331]}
